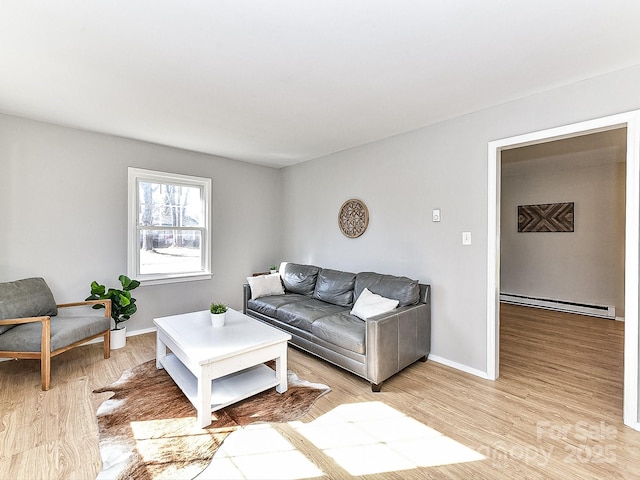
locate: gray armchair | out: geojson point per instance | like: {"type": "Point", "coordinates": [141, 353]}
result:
{"type": "Point", "coordinates": [31, 329]}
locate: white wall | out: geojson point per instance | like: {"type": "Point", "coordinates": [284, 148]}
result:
{"type": "Point", "coordinates": [442, 166]}
{"type": "Point", "coordinates": [63, 215]}
{"type": "Point", "coordinates": [585, 266]}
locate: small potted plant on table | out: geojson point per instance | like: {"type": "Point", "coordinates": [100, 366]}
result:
{"type": "Point", "coordinates": [218, 312]}
{"type": "Point", "coordinates": [123, 305]}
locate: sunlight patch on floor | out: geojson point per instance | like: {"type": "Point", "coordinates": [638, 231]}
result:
{"type": "Point", "coordinates": [371, 437]}
{"type": "Point", "coordinates": [259, 452]}
{"type": "Point", "coordinates": [361, 438]}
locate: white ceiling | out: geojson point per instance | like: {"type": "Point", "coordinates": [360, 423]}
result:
{"type": "Point", "coordinates": [283, 81]}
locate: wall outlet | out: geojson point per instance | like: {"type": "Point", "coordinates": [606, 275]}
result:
{"type": "Point", "coordinates": [466, 238]}
{"type": "Point", "coordinates": [435, 215]}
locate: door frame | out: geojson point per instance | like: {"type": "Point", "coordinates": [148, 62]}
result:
{"type": "Point", "coordinates": [630, 120]}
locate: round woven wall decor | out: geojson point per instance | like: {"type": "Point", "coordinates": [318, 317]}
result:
{"type": "Point", "coordinates": [353, 218]}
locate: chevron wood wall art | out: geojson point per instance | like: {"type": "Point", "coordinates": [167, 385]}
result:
{"type": "Point", "coordinates": [548, 217]}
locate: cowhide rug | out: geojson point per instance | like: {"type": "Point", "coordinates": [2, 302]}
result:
{"type": "Point", "coordinates": [148, 428]}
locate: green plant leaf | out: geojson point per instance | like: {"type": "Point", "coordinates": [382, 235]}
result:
{"type": "Point", "coordinates": [122, 304]}
{"type": "Point", "coordinates": [124, 300]}
{"type": "Point", "coordinates": [218, 308]}
{"type": "Point", "coordinates": [97, 289]}
{"type": "Point", "coordinates": [129, 310]}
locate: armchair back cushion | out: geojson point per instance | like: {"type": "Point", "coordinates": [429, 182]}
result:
{"type": "Point", "coordinates": [29, 297]}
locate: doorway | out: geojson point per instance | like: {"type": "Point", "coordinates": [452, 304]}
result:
{"type": "Point", "coordinates": [631, 121]}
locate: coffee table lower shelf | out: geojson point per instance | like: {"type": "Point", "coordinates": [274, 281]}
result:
{"type": "Point", "coordinates": [224, 390]}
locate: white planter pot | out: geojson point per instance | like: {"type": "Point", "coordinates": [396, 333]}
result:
{"type": "Point", "coordinates": [118, 338]}
{"type": "Point", "coordinates": [217, 319]}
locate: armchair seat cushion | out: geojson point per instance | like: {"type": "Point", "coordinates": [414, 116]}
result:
{"type": "Point", "coordinates": [65, 331]}
{"type": "Point", "coordinates": [29, 297]}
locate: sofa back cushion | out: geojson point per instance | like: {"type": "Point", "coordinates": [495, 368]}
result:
{"type": "Point", "coordinates": [403, 289]}
{"type": "Point", "coordinates": [29, 297]}
{"type": "Point", "coordinates": [335, 287]}
{"type": "Point", "coordinates": [298, 278]}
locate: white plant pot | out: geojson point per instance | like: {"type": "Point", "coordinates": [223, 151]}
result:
{"type": "Point", "coordinates": [118, 338]}
{"type": "Point", "coordinates": [217, 319]}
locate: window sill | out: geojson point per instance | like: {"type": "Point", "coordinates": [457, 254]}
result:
{"type": "Point", "coordinates": [174, 279]}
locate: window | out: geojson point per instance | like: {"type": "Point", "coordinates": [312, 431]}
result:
{"type": "Point", "coordinates": [169, 235]}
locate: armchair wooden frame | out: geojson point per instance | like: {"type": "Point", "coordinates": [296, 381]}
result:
{"type": "Point", "coordinates": [45, 352]}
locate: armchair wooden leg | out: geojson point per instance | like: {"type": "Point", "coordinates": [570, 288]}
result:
{"type": "Point", "coordinates": [45, 354]}
{"type": "Point", "coordinates": [107, 344]}
{"type": "Point", "coordinates": [45, 370]}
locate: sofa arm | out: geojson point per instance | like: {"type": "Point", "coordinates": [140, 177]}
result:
{"type": "Point", "coordinates": [106, 303]}
{"type": "Point", "coordinates": [397, 339]}
{"type": "Point", "coordinates": [246, 296]}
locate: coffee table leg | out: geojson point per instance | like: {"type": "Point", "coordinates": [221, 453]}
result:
{"type": "Point", "coordinates": [161, 352]}
{"type": "Point", "coordinates": [204, 401]}
{"type": "Point", "coordinates": [281, 370]}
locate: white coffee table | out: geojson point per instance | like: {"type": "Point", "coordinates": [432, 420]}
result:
{"type": "Point", "coordinates": [215, 367]}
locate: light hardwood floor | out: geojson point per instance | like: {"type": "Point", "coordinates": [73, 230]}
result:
{"type": "Point", "coordinates": [555, 411]}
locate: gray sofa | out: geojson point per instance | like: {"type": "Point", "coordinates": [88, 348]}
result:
{"type": "Point", "coordinates": [314, 306]}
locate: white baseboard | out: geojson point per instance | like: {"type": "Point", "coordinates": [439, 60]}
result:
{"type": "Point", "coordinates": [634, 425]}
{"type": "Point", "coordinates": [459, 366]}
{"type": "Point", "coordinates": [131, 333]}
{"type": "Point", "coordinates": [602, 311]}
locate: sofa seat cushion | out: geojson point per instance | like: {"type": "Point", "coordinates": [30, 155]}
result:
{"type": "Point", "coordinates": [27, 337]}
{"type": "Point", "coordinates": [303, 314]}
{"type": "Point", "coordinates": [299, 278]}
{"type": "Point", "coordinates": [270, 304]}
{"type": "Point", "coordinates": [342, 329]}
{"type": "Point", "coordinates": [335, 287]}
{"type": "Point", "coordinates": [403, 289]}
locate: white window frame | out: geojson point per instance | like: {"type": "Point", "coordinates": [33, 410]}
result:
{"type": "Point", "coordinates": [137, 175]}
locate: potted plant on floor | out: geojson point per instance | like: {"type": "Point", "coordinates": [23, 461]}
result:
{"type": "Point", "coordinates": [218, 312]}
{"type": "Point", "coordinates": [123, 305]}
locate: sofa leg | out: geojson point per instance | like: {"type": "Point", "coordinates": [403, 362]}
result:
{"type": "Point", "coordinates": [375, 387]}
{"type": "Point", "coordinates": [423, 359]}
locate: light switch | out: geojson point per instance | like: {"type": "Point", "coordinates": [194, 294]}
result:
{"type": "Point", "coordinates": [466, 238]}
{"type": "Point", "coordinates": [435, 215]}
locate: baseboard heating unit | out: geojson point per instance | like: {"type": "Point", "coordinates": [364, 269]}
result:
{"type": "Point", "coordinates": [602, 311]}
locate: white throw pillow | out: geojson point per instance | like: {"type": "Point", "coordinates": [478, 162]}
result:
{"type": "Point", "coordinates": [264, 285]}
{"type": "Point", "coordinates": [371, 304]}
